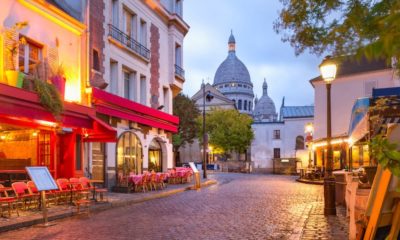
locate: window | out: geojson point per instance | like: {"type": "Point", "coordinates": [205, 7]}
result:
{"type": "Point", "coordinates": [277, 153]}
{"type": "Point", "coordinates": [143, 93]}
{"type": "Point", "coordinates": [245, 104]}
{"type": "Point", "coordinates": [178, 7]}
{"type": "Point", "coordinates": [299, 143]}
{"type": "Point", "coordinates": [178, 55]}
{"type": "Point", "coordinates": [240, 85]}
{"type": "Point", "coordinates": [127, 85]}
{"type": "Point", "coordinates": [30, 54]}
{"type": "Point", "coordinates": [155, 156]}
{"type": "Point", "coordinates": [166, 99]}
{"type": "Point", "coordinates": [240, 104]}
{"type": "Point", "coordinates": [130, 23]}
{"type": "Point", "coordinates": [96, 60]}
{"type": "Point", "coordinates": [249, 106]}
{"type": "Point", "coordinates": [277, 134]}
{"type": "Point", "coordinates": [114, 77]}
{"type": "Point", "coordinates": [129, 157]}
{"type": "Point", "coordinates": [143, 33]}
{"type": "Point", "coordinates": [368, 87]}
{"type": "Point", "coordinates": [114, 9]}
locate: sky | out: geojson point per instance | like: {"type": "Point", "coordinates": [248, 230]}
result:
{"type": "Point", "coordinates": [257, 46]}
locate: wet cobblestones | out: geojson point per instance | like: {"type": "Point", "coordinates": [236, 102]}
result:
{"type": "Point", "coordinates": [242, 206]}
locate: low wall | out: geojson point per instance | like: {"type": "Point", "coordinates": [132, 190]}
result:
{"type": "Point", "coordinates": [234, 166]}
{"type": "Point", "coordinates": [285, 166]}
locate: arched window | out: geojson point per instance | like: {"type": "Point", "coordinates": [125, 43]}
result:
{"type": "Point", "coordinates": [155, 156]}
{"type": "Point", "coordinates": [299, 143]}
{"type": "Point", "coordinates": [240, 104]}
{"type": "Point", "coordinates": [245, 104]}
{"type": "Point", "coordinates": [129, 156]}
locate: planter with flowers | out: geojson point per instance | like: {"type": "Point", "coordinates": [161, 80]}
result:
{"type": "Point", "coordinates": [13, 76]}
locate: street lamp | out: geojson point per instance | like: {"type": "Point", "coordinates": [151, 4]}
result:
{"type": "Point", "coordinates": [309, 129]}
{"type": "Point", "coordinates": [209, 97]}
{"type": "Point", "coordinates": [328, 71]}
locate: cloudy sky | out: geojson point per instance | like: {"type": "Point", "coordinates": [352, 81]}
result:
{"type": "Point", "coordinates": [257, 46]}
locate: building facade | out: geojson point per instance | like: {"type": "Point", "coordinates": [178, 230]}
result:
{"type": "Point", "coordinates": [43, 47]}
{"type": "Point", "coordinates": [354, 80]}
{"type": "Point", "coordinates": [279, 143]}
{"type": "Point", "coordinates": [136, 70]}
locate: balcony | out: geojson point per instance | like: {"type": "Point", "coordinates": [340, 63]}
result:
{"type": "Point", "coordinates": [128, 42]}
{"type": "Point", "coordinates": [179, 72]}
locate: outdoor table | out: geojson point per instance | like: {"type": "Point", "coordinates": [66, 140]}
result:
{"type": "Point", "coordinates": [94, 181]}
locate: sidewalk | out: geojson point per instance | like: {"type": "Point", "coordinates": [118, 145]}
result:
{"type": "Point", "coordinates": [33, 217]}
{"type": "Point", "coordinates": [319, 226]}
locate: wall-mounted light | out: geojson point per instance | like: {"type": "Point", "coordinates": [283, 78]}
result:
{"type": "Point", "coordinates": [88, 90]}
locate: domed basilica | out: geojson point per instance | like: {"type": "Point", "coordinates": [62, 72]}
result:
{"type": "Point", "coordinates": [233, 80]}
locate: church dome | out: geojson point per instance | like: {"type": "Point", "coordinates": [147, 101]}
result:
{"type": "Point", "coordinates": [265, 107]}
{"type": "Point", "coordinates": [232, 70]}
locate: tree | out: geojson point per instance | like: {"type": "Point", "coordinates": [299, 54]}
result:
{"type": "Point", "coordinates": [360, 28]}
{"type": "Point", "coordinates": [187, 111]}
{"type": "Point", "coordinates": [228, 130]}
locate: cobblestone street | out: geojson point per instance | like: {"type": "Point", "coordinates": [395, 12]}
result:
{"type": "Point", "coordinates": [241, 206]}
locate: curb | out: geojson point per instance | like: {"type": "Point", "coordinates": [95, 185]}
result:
{"type": "Point", "coordinates": [310, 182]}
{"type": "Point", "coordinates": [103, 207]}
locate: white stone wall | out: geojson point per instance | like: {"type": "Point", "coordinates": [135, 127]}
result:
{"type": "Point", "coordinates": [262, 147]}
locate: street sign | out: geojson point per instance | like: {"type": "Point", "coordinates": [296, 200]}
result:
{"type": "Point", "coordinates": [194, 168]}
{"type": "Point", "coordinates": [42, 178]}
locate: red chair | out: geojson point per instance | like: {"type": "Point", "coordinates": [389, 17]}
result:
{"type": "Point", "coordinates": [142, 184]}
{"type": "Point", "coordinates": [65, 188]}
{"type": "Point", "coordinates": [21, 191]}
{"type": "Point", "coordinates": [79, 188]}
{"type": "Point", "coordinates": [87, 184]}
{"type": "Point", "coordinates": [10, 202]}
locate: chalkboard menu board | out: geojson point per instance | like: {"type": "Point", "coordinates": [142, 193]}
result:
{"type": "Point", "coordinates": [42, 178]}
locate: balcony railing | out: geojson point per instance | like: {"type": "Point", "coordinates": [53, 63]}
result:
{"type": "Point", "coordinates": [129, 42]}
{"type": "Point", "coordinates": [179, 71]}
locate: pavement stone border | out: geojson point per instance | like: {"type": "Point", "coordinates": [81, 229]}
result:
{"type": "Point", "coordinates": [101, 207]}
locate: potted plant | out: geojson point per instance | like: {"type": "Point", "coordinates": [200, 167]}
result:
{"type": "Point", "coordinates": [375, 143]}
{"type": "Point", "coordinates": [49, 97]}
{"type": "Point", "coordinates": [58, 78]}
{"type": "Point", "coordinates": [14, 76]}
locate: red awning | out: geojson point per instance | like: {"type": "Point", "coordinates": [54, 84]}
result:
{"type": "Point", "coordinates": [112, 105]}
{"type": "Point", "coordinates": [21, 106]}
{"type": "Point", "coordinates": [100, 132]}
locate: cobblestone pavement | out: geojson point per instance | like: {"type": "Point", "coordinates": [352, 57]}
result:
{"type": "Point", "coordinates": [242, 206]}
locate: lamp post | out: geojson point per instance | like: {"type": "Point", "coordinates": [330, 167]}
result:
{"type": "Point", "coordinates": [209, 97]}
{"type": "Point", "coordinates": [328, 71]}
{"type": "Point", "coordinates": [309, 129]}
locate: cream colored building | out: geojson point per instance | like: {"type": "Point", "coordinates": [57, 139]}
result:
{"type": "Point", "coordinates": [354, 80]}
{"type": "Point", "coordinates": [142, 72]}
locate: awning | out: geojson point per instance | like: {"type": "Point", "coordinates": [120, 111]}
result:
{"type": "Point", "coordinates": [100, 132]}
{"type": "Point", "coordinates": [21, 107]}
{"type": "Point", "coordinates": [113, 105]}
{"type": "Point", "coordinates": [359, 120]}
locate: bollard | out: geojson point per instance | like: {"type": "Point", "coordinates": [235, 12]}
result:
{"type": "Point", "coordinates": [197, 184]}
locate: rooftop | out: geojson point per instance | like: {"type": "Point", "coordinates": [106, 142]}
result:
{"type": "Point", "coordinates": [297, 111]}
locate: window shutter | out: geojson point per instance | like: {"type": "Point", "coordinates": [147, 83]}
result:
{"type": "Point", "coordinates": [8, 44]}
